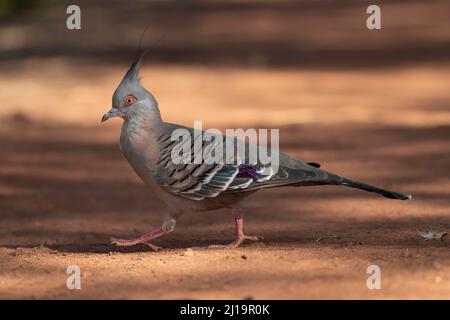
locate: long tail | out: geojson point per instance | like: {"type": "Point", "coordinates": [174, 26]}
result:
{"type": "Point", "coordinates": [337, 180]}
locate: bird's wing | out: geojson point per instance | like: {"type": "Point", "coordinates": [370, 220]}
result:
{"type": "Point", "coordinates": [204, 180]}
{"type": "Point", "coordinates": [289, 172]}
{"type": "Point", "coordinates": [193, 180]}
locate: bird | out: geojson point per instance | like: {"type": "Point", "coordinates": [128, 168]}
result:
{"type": "Point", "coordinates": [146, 141]}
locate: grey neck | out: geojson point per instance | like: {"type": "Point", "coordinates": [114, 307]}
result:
{"type": "Point", "coordinates": [141, 126]}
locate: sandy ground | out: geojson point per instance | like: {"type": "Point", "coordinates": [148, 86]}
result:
{"type": "Point", "coordinates": [65, 188]}
{"type": "Point", "coordinates": [369, 105]}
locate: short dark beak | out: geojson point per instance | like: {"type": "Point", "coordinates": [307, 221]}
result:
{"type": "Point", "coordinates": [114, 112]}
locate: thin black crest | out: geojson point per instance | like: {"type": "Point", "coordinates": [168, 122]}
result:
{"type": "Point", "coordinates": [133, 72]}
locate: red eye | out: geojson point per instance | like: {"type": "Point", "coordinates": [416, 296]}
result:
{"type": "Point", "coordinates": [129, 100]}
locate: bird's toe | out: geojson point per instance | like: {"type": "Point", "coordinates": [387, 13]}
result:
{"type": "Point", "coordinates": [254, 238]}
{"type": "Point", "coordinates": [153, 247]}
{"type": "Point", "coordinates": [122, 242]}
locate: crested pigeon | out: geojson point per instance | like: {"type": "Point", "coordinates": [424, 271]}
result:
{"type": "Point", "coordinates": [146, 142]}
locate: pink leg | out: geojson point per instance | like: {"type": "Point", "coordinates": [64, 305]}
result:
{"type": "Point", "coordinates": [240, 236]}
{"type": "Point", "coordinates": [142, 239]}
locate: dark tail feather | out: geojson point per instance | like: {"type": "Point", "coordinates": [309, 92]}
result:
{"type": "Point", "coordinates": [368, 187]}
{"type": "Point", "coordinates": [337, 180]}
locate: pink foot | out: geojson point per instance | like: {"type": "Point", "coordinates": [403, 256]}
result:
{"type": "Point", "coordinates": [130, 243]}
{"type": "Point", "coordinates": [144, 239]}
{"type": "Point", "coordinates": [235, 243]}
{"type": "Point", "coordinates": [240, 236]}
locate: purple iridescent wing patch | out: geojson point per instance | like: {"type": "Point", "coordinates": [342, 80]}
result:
{"type": "Point", "coordinates": [248, 171]}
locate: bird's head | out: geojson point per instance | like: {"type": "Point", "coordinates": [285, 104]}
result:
{"type": "Point", "coordinates": [131, 99]}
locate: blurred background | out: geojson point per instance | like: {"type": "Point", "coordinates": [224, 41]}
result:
{"type": "Point", "coordinates": [373, 105]}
